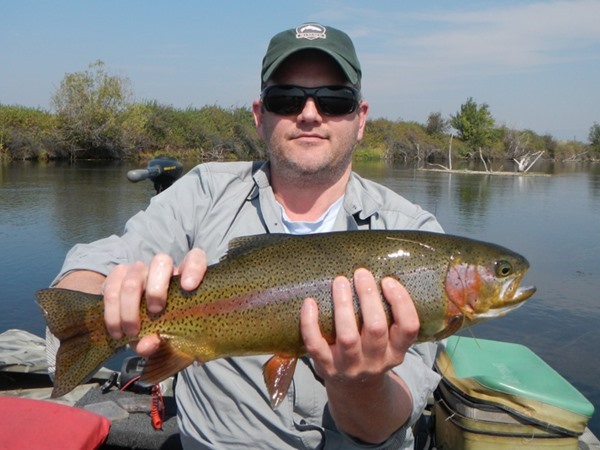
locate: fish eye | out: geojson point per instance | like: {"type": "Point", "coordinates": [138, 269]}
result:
{"type": "Point", "coordinates": [503, 268]}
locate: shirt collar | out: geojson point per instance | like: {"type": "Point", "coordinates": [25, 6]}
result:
{"type": "Point", "coordinates": [359, 202]}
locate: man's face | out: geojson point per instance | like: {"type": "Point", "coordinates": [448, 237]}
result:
{"type": "Point", "coordinates": [310, 144]}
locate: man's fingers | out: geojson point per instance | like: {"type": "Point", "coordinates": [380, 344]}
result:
{"type": "Point", "coordinates": [405, 329]}
{"type": "Point", "coordinates": [347, 332]}
{"type": "Point", "coordinates": [147, 345]}
{"type": "Point", "coordinates": [316, 346]}
{"type": "Point", "coordinates": [126, 286]}
{"type": "Point", "coordinates": [375, 326]}
{"type": "Point", "coordinates": [192, 269]}
{"type": "Point", "coordinates": [157, 285]}
{"type": "Point", "coordinates": [132, 288]}
{"type": "Point", "coordinates": [309, 323]}
{"type": "Point", "coordinates": [111, 290]}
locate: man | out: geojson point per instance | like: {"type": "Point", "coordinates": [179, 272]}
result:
{"type": "Point", "coordinates": [365, 390]}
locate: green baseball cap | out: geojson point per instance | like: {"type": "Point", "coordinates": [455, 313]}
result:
{"type": "Point", "coordinates": [332, 41]}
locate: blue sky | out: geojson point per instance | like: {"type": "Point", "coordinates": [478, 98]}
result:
{"type": "Point", "coordinates": [535, 63]}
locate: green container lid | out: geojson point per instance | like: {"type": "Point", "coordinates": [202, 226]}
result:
{"type": "Point", "coordinates": [514, 370]}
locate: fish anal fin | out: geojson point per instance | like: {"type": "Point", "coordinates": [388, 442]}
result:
{"type": "Point", "coordinates": [279, 372]}
{"type": "Point", "coordinates": [166, 361]}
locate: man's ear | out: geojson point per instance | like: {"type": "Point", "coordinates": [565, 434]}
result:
{"type": "Point", "coordinates": [257, 113]}
{"type": "Point", "coordinates": [363, 112]}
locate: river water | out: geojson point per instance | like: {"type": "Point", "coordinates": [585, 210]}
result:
{"type": "Point", "coordinates": [552, 220]}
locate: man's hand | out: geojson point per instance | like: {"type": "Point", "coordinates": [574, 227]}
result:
{"type": "Point", "coordinates": [358, 354]}
{"type": "Point", "coordinates": [125, 286]}
{"type": "Point", "coordinates": [366, 399]}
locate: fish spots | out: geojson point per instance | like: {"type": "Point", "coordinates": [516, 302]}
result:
{"type": "Point", "coordinates": [249, 303]}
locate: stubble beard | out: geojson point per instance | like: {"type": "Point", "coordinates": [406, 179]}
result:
{"type": "Point", "coordinates": [312, 173]}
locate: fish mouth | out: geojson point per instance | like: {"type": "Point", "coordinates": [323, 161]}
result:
{"type": "Point", "coordinates": [518, 300]}
{"type": "Point", "coordinates": [523, 293]}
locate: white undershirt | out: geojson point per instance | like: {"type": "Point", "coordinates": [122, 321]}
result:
{"type": "Point", "coordinates": [323, 224]}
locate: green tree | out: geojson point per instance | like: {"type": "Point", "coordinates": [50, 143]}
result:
{"type": "Point", "coordinates": [594, 138]}
{"type": "Point", "coordinates": [474, 124]}
{"type": "Point", "coordinates": [26, 133]}
{"type": "Point", "coordinates": [436, 124]}
{"type": "Point", "coordinates": [88, 105]}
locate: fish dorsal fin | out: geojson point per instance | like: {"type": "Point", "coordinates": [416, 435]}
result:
{"type": "Point", "coordinates": [246, 244]}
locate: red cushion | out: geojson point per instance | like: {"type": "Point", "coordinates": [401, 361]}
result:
{"type": "Point", "coordinates": [37, 424]}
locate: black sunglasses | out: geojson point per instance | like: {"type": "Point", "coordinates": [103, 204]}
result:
{"type": "Point", "coordinates": [287, 100]}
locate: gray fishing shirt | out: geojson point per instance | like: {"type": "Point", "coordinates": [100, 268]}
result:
{"type": "Point", "coordinates": [223, 404]}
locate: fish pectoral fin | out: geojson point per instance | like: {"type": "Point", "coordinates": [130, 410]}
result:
{"type": "Point", "coordinates": [279, 372]}
{"type": "Point", "coordinates": [453, 325]}
{"type": "Point", "coordinates": [166, 361]}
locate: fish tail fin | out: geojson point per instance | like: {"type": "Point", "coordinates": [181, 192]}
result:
{"type": "Point", "coordinates": [77, 320]}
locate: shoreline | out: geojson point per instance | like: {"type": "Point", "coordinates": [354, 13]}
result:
{"type": "Point", "coordinates": [481, 172]}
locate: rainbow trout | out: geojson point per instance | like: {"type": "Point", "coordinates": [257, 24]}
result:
{"type": "Point", "coordinates": [249, 303]}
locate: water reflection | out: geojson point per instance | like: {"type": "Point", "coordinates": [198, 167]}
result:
{"type": "Point", "coordinates": [594, 186]}
{"type": "Point", "coordinates": [96, 202]}
{"type": "Point", "coordinates": [472, 198]}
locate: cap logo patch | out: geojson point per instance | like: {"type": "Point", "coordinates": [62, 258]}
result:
{"type": "Point", "coordinates": [311, 31]}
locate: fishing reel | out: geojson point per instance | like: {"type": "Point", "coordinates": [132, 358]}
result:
{"type": "Point", "coordinates": [128, 378]}
{"type": "Point", "coordinates": [131, 371]}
